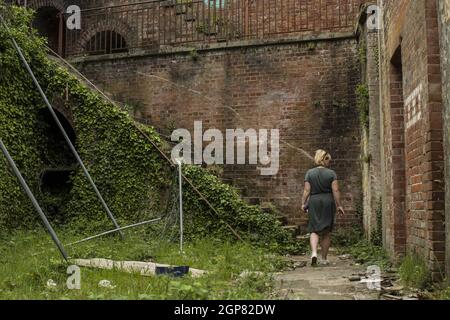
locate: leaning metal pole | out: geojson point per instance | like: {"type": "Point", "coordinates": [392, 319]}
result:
{"type": "Point", "coordinates": [112, 231]}
{"type": "Point", "coordinates": [33, 200]}
{"type": "Point", "coordinates": [180, 182]}
{"type": "Point", "coordinates": [61, 128]}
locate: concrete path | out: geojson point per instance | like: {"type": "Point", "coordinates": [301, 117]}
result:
{"type": "Point", "coordinates": [338, 281]}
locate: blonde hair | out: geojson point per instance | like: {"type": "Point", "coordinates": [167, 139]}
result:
{"type": "Point", "coordinates": [320, 157]}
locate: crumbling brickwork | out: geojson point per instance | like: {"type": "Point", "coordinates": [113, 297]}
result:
{"type": "Point", "coordinates": [413, 131]}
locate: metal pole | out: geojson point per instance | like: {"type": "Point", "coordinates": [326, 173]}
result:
{"type": "Point", "coordinates": [112, 231]}
{"type": "Point", "coordinates": [61, 128]}
{"type": "Point", "coordinates": [180, 180]}
{"type": "Point", "coordinates": [33, 200]}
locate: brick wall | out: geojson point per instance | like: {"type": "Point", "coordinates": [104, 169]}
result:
{"type": "Point", "coordinates": [444, 10]}
{"type": "Point", "coordinates": [304, 89]}
{"type": "Point", "coordinates": [371, 156]}
{"type": "Point", "coordinates": [155, 24]}
{"type": "Point", "coordinates": [412, 130]}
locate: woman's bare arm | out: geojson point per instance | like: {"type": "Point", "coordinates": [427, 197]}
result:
{"type": "Point", "coordinates": [337, 196]}
{"type": "Point", "coordinates": [306, 194]}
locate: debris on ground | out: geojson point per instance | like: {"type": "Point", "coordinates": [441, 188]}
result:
{"type": "Point", "coordinates": [247, 273]}
{"type": "Point", "coordinates": [143, 268]}
{"type": "Point", "coordinates": [299, 264]}
{"type": "Point", "coordinates": [106, 284]}
{"type": "Point", "coordinates": [51, 284]}
{"type": "Point", "coordinates": [354, 278]}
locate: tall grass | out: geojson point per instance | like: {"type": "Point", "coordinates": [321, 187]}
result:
{"type": "Point", "coordinates": [28, 260]}
{"type": "Point", "coordinates": [414, 272]}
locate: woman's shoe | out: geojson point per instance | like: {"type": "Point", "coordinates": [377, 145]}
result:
{"type": "Point", "coordinates": [313, 261]}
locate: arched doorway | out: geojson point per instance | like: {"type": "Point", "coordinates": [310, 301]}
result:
{"type": "Point", "coordinates": [49, 21]}
{"type": "Point", "coordinates": [55, 180]}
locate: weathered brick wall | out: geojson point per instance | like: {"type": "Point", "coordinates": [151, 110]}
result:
{"type": "Point", "coordinates": [444, 10]}
{"type": "Point", "coordinates": [371, 147]}
{"type": "Point", "coordinates": [412, 129]}
{"type": "Point", "coordinates": [305, 89]}
{"type": "Point", "coordinates": [155, 24]}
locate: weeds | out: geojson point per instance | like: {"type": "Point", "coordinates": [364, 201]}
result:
{"type": "Point", "coordinates": [366, 253]}
{"type": "Point", "coordinates": [29, 260]}
{"type": "Point", "coordinates": [414, 273]}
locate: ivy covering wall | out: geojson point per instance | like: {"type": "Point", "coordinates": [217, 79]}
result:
{"type": "Point", "coordinates": [131, 175]}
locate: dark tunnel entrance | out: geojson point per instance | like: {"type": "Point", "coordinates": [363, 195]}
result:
{"type": "Point", "coordinates": [55, 181]}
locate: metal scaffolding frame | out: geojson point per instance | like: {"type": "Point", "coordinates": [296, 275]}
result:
{"type": "Point", "coordinates": [25, 186]}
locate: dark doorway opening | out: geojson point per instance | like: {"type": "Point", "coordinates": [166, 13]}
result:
{"type": "Point", "coordinates": [50, 24]}
{"type": "Point", "coordinates": [55, 181]}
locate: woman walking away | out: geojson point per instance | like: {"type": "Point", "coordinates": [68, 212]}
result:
{"type": "Point", "coordinates": [321, 196]}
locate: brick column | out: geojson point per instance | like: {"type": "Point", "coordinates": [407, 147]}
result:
{"type": "Point", "coordinates": [444, 21]}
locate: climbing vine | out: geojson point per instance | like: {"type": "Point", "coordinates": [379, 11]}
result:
{"type": "Point", "coordinates": [362, 94]}
{"type": "Point", "coordinates": [133, 178]}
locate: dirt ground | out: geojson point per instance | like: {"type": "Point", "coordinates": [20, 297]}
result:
{"type": "Point", "coordinates": [341, 280]}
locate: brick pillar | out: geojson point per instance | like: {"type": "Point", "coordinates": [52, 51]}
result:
{"type": "Point", "coordinates": [444, 21]}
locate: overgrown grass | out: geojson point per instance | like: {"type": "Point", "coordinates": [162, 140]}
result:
{"type": "Point", "coordinates": [367, 253]}
{"type": "Point", "coordinates": [364, 252]}
{"type": "Point", "coordinates": [414, 273]}
{"type": "Point", "coordinates": [29, 259]}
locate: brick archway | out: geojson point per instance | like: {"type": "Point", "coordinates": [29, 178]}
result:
{"type": "Point", "coordinates": [117, 26]}
{"type": "Point", "coordinates": [49, 21]}
{"type": "Point", "coordinates": [61, 5]}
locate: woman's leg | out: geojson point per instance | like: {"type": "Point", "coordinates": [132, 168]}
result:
{"type": "Point", "coordinates": [314, 240]}
{"type": "Point", "coordinates": [325, 244]}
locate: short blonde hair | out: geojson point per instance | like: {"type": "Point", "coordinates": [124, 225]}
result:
{"type": "Point", "coordinates": [320, 157]}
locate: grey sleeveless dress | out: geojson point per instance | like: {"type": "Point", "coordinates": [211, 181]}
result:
{"type": "Point", "coordinates": [321, 205]}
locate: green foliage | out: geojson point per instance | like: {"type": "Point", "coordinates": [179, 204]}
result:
{"type": "Point", "coordinates": [19, 112]}
{"type": "Point", "coordinates": [414, 272]}
{"type": "Point", "coordinates": [362, 94]}
{"type": "Point", "coordinates": [127, 169]}
{"type": "Point", "coordinates": [347, 237]}
{"type": "Point", "coordinates": [442, 294]}
{"type": "Point", "coordinates": [251, 222]}
{"type": "Point", "coordinates": [377, 232]}
{"type": "Point", "coordinates": [362, 51]}
{"type": "Point", "coordinates": [193, 53]}
{"type": "Point", "coordinates": [366, 253]}
{"type": "Point", "coordinates": [28, 260]}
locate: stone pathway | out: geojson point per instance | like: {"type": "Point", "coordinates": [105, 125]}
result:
{"type": "Point", "coordinates": [331, 282]}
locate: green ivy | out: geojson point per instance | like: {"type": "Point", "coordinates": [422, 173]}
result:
{"type": "Point", "coordinates": [131, 175]}
{"type": "Point", "coordinates": [362, 94]}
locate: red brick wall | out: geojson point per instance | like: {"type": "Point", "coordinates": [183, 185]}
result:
{"type": "Point", "coordinates": [305, 89]}
{"type": "Point", "coordinates": [371, 146]}
{"type": "Point", "coordinates": [414, 130]}
{"type": "Point", "coordinates": [153, 25]}
{"type": "Point", "coordinates": [444, 10]}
